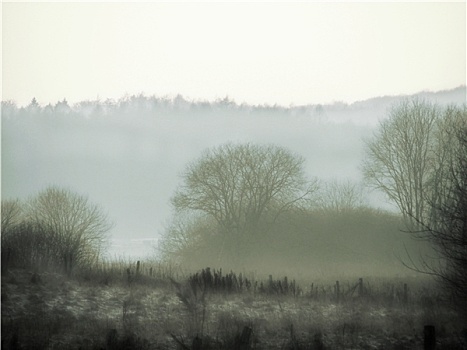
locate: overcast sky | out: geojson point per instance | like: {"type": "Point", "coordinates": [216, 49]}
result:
{"type": "Point", "coordinates": [285, 53]}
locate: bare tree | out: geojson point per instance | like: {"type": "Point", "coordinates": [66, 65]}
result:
{"type": "Point", "coordinates": [341, 196]}
{"type": "Point", "coordinates": [399, 158]}
{"type": "Point", "coordinates": [446, 226]}
{"type": "Point", "coordinates": [447, 142]}
{"type": "Point", "coordinates": [238, 185]}
{"type": "Point", "coordinates": [183, 236]}
{"type": "Point", "coordinates": [74, 229]}
{"type": "Point", "coordinates": [11, 219]}
{"type": "Point", "coordinates": [11, 215]}
{"type": "Point", "coordinates": [419, 159]}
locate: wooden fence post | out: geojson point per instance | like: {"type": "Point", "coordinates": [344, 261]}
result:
{"type": "Point", "coordinates": [128, 273]}
{"type": "Point", "coordinates": [243, 341]}
{"type": "Point", "coordinates": [138, 265]}
{"type": "Point", "coordinates": [337, 291]}
{"type": "Point", "coordinates": [197, 343]}
{"type": "Point", "coordinates": [6, 256]}
{"type": "Point", "coordinates": [429, 337]}
{"type": "Point", "coordinates": [360, 287]}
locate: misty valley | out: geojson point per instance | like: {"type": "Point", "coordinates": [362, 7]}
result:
{"type": "Point", "coordinates": [163, 223]}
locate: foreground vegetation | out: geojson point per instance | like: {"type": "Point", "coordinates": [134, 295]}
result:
{"type": "Point", "coordinates": [147, 306]}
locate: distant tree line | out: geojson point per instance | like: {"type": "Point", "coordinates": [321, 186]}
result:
{"type": "Point", "coordinates": [57, 229]}
{"type": "Point", "coordinates": [148, 105]}
{"type": "Point", "coordinates": [141, 104]}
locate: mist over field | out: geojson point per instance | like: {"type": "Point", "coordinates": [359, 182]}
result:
{"type": "Point", "coordinates": [233, 175]}
{"type": "Point", "coordinates": [127, 155]}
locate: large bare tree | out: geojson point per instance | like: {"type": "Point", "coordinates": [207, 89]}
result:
{"type": "Point", "coordinates": [446, 225]}
{"type": "Point", "coordinates": [400, 157]}
{"type": "Point", "coordinates": [238, 185]}
{"type": "Point", "coordinates": [419, 159]}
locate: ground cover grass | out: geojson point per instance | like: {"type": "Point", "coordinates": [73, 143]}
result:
{"type": "Point", "coordinates": [124, 308]}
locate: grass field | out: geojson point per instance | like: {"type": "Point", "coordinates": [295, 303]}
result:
{"type": "Point", "coordinates": [121, 307]}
